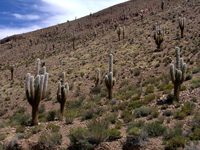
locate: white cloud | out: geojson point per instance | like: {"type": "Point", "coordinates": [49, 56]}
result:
{"type": "Point", "coordinates": [26, 17]}
{"type": "Point", "coordinates": [11, 31]}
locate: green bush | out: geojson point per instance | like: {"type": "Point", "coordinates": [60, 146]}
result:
{"type": "Point", "coordinates": [37, 129]}
{"type": "Point", "coordinates": [114, 134]}
{"type": "Point", "coordinates": [112, 117]}
{"type": "Point", "coordinates": [196, 134]}
{"type": "Point", "coordinates": [41, 109]}
{"type": "Point", "coordinates": [188, 76]}
{"type": "Point", "coordinates": [51, 115]}
{"type": "Point", "coordinates": [2, 124]}
{"type": "Point", "coordinates": [138, 124]}
{"type": "Point", "coordinates": [188, 108]}
{"type": "Point", "coordinates": [20, 129]}
{"type": "Point", "coordinates": [195, 83]}
{"type": "Point", "coordinates": [149, 89]}
{"type": "Point", "coordinates": [74, 104]}
{"type": "Point", "coordinates": [18, 118]}
{"type": "Point", "coordinates": [180, 115]}
{"type": "Point", "coordinates": [2, 137]}
{"type": "Point", "coordinates": [3, 112]}
{"type": "Point", "coordinates": [155, 129]}
{"type": "Point", "coordinates": [195, 70]}
{"type": "Point", "coordinates": [69, 117]}
{"type": "Point", "coordinates": [151, 80]}
{"type": "Point", "coordinates": [118, 124]}
{"type": "Point", "coordinates": [170, 133]}
{"type": "Point", "coordinates": [127, 116]}
{"type": "Point", "coordinates": [161, 87]}
{"type": "Point", "coordinates": [175, 142]}
{"type": "Point", "coordinates": [142, 111]}
{"type": "Point", "coordinates": [53, 127]}
{"type": "Point", "coordinates": [195, 120]}
{"type": "Point", "coordinates": [160, 119]}
{"type": "Point", "coordinates": [51, 140]}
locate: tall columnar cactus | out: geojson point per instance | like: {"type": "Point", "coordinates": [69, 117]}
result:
{"type": "Point", "coordinates": [109, 80]}
{"type": "Point", "coordinates": [12, 71]}
{"type": "Point", "coordinates": [95, 33]}
{"type": "Point", "coordinates": [119, 32]}
{"type": "Point", "coordinates": [159, 36]}
{"type": "Point", "coordinates": [35, 93]}
{"type": "Point", "coordinates": [177, 75]}
{"type": "Point", "coordinates": [162, 4]}
{"type": "Point", "coordinates": [123, 32]}
{"type": "Point", "coordinates": [73, 38]}
{"type": "Point", "coordinates": [182, 25]}
{"type": "Point", "coordinates": [97, 79]}
{"type": "Point", "coordinates": [141, 15]}
{"type": "Point", "coordinates": [62, 94]}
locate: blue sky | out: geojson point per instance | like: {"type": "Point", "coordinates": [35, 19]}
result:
{"type": "Point", "coordinates": [21, 16]}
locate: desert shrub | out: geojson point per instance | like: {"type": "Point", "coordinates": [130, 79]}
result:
{"type": "Point", "coordinates": [96, 90]}
{"type": "Point", "coordinates": [154, 112]}
{"type": "Point", "coordinates": [53, 127]}
{"type": "Point", "coordinates": [168, 88]}
{"type": "Point", "coordinates": [142, 111]}
{"type": "Point", "coordinates": [170, 133]}
{"type": "Point", "coordinates": [160, 119]}
{"type": "Point", "coordinates": [167, 60]}
{"type": "Point", "coordinates": [12, 144]}
{"type": "Point", "coordinates": [114, 134]}
{"type": "Point", "coordinates": [51, 115]}
{"type": "Point", "coordinates": [149, 89]}
{"type": "Point", "coordinates": [195, 70]}
{"type": "Point", "coordinates": [188, 108]}
{"type": "Point", "coordinates": [112, 102]}
{"type": "Point", "coordinates": [112, 117]}
{"type": "Point", "coordinates": [167, 113]}
{"type": "Point", "coordinates": [138, 124]}
{"type": "Point", "coordinates": [127, 116]}
{"type": "Point", "coordinates": [195, 83]}
{"type": "Point", "coordinates": [194, 99]}
{"type": "Point", "coordinates": [121, 106]}
{"type": "Point", "coordinates": [178, 124]}
{"type": "Point", "coordinates": [87, 114]}
{"type": "Point", "coordinates": [180, 114]}
{"type": "Point", "coordinates": [42, 117]}
{"type": "Point", "coordinates": [195, 120]}
{"type": "Point", "coordinates": [2, 124]}
{"type": "Point", "coordinates": [37, 129]}
{"type": "Point", "coordinates": [3, 112]}
{"type": "Point", "coordinates": [2, 137]}
{"type": "Point", "coordinates": [74, 104]}
{"type": "Point", "coordinates": [137, 72]}
{"type": "Point", "coordinates": [41, 109]}
{"type": "Point", "coordinates": [124, 82]}
{"type": "Point", "coordinates": [188, 76]}
{"type": "Point", "coordinates": [151, 80]}
{"type": "Point", "coordinates": [18, 118]}
{"type": "Point", "coordinates": [192, 146]}
{"type": "Point", "coordinates": [27, 135]}
{"type": "Point", "coordinates": [7, 98]}
{"type": "Point", "coordinates": [161, 87]}
{"type": "Point", "coordinates": [20, 129]}
{"type": "Point", "coordinates": [118, 124]}
{"type": "Point", "coordinates": [155, 129]}
{"type": "Point", "coordinates": [70, 115]}
{"type": "Point", "coordinates": [165, 106]}
{"type": "Point", "coordinates": [176, 104]}
{"type": "Point", "coordinates": [196, 134]}
{"type": "Point", "coordinates": [135, 137]}
{"type": "Point", "coordinates": [51, 140]}
{"type": "Point", "coordinates": [175, 142]}
{"type": "Point", "coordinates": [183, 88]}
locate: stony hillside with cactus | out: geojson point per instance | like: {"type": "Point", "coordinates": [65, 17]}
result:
{"type": "Point", "coordinates": [126, 77]}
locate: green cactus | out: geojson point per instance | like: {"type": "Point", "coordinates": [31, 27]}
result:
{"type": "Point", "coordinates": [12, 71]}
{"type": "Point", "coordinates": [178, 75]}
{"type": "Point", "coordinates": [182, 25]}
{"type": "Point", "coordinates": [109, 80]}
{"type": "Point", "coordinates": [73, 38]}
{"type": "Point", "coordinates": [123, 32]}
{"type": "Point", "coordinates": [162, 4]}
{"type": "Point", "coordinates": [62, 94]}
{"type": "Point", "coordinates": [119, 32]}
{"type": "Point", "coordinates": [97, 79]}
{"type": "Point", "coordinates": [35, 94]}
{"type": "Point", "coordinates": [159, 36]}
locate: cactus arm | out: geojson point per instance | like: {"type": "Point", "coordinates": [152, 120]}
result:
{"type": "Point", "coordinates": [183, 72]}
{"type": "Point", "coordinates": [172, 73]}
{"type": "Point", "coordinates": [67, 88]}
{"type": "Point", "coordinates": [110, 79]}
{"type": "Point", "coordinates": [27, 89]}
{"type": "Point", "coordinates": [43, 70]}
{"type": "Point", "coordinates": [59, 92]}
{"type": "Point", "coordinates": [32, 91]}
{"type": "Point", "coordinates": [177, 58]}
{"type": "Point", "coordinates": [45, 85]}
{"type": "Point", "coordinates": [111, 63]}
{"type": "Point", "coordinates": [106, 81]}
{"type": "Point", "coordinates": [38, 67]}
{"type": "Point", "coordinates": [40, 91]}
{"type": "Point", "coordinates": [179, 75]}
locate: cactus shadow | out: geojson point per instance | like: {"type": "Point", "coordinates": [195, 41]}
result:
{"type": "Point", "coordinates": [158, 50]}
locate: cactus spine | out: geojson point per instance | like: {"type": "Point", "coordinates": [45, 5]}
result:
{"type": "Point", "coordinates": [178, 75]}
{"type": "Point", "coordinates": [73, 38]}
{"type": "Point", "coordinates": [182, 25]}
{"type": "Point", "coordinates": [119, 32]}
{"type": "Point", "coordinates": [159, 36]}
{"type": "Point", "coordinates": [35, 94]}
{"type": "Point", "coordinates": [62, 94]}
{"type": "Point", "coordinates": [98, 76]}
{"type": "Point", "coordinates": [109, 80]}
{"type": "Point", "coordinates": [12, 71]}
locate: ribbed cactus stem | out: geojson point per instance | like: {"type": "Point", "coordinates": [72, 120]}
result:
{"type": "Point", "coordinates": [123, 32]}
{"type": "Point", "coordinates": [12, 71]}
{"type": "Point", "coordinates": [182, 25]}
{"type": "Point", "coordinates": [97, 78]}
{"type": "Point", "coordinates": [159, 36]}
{"type": "Point", "coordinates": [119, 31]}
{"type": "Point", "coordinates": [162, 4]}
{"type": "Point", "coordinates": [109, 80]}
{"type": "Point", "coordinates": [178, 75]}
{"type": "Point", "coordinates": [111, 63]}
{"type": "Point", "coordinates": [62, 94]}
{"type": "Point", "coordinates": [38, 67]}
{"type": "Point", "coordinates": [43, 70]}
{"type": "Point", "coordinates": [35, 94]}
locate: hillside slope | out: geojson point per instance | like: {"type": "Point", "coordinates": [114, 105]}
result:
{"type": "Point", "coordinates": [138, 68]}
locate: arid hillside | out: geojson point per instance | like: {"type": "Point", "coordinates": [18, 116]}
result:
{"type": "Point", "coordinates": [136, 109]}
